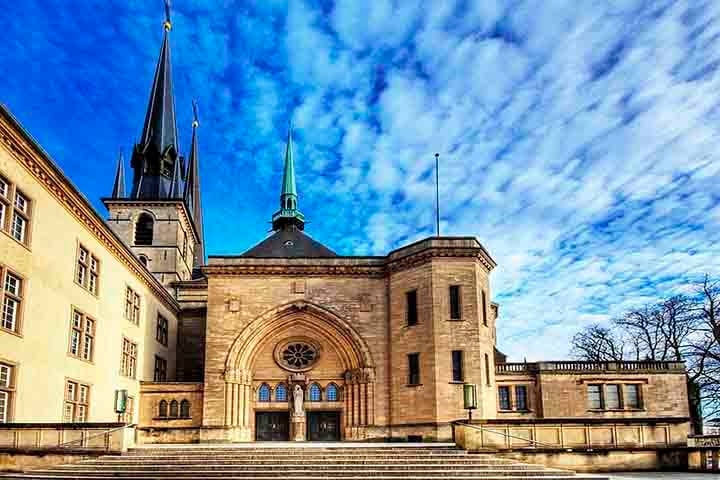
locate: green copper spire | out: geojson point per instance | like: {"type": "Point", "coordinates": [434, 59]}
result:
{"type": "Point", "coordinates": [288, 215]}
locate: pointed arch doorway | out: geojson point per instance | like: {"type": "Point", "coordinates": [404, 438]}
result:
{"type": "Point", "coordinates": [299, 344]}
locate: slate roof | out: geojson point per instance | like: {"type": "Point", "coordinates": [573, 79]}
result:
{"type": "Point", "coordinates": [289, 243]}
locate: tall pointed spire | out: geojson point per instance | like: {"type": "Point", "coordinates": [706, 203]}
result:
{"type": "Point", "coordinates": [157, 152]}
{"type": "Point", "coordinates": [192, 190]}
{"type": "Point", "coordinates": [118, 190]}
{"type": "Point", "coordinates": [288, 215]}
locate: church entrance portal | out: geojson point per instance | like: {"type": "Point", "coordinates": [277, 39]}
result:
{"type": "Point", "coordinates": [323, 426]}
{"type": "Point", "coordinates": [272, 426]}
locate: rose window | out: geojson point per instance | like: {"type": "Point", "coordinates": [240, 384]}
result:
{"type": "Point", "coordinates": [298, 355]}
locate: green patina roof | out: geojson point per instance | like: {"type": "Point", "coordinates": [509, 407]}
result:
{"type": "Point", "coordinates": [289, 215]}
{"type": "Point", "coordinates": [288, 184]}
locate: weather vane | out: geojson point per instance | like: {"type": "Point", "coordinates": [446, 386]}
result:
{"type": "Point", "coordinates": [168, 24]}
{"type": "Point", "coordinates": [196, 119]}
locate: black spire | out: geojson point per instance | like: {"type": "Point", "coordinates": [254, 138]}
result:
{"type": "Point", "coordinates": [154, 157]}
{"type": "Point", "coordinates": [118, 190]}
{"type": "Point", "coordinates": [192, 191]}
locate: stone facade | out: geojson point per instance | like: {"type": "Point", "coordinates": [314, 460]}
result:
{"type": "Point", "coordinates": [236, 323]}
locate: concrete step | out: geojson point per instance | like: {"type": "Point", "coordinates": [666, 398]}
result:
{"type": "Point", "coordinates": [293, 468]}
{"type": "Point", "coordinates": [323, 476]}
{"type": "Point", "coordinates": [292, 464]}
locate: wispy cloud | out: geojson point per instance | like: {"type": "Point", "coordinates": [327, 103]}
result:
{"type": "Point", "coordinates": [578, 141]}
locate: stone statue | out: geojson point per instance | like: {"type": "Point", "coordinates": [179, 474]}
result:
{"type": "Point", "coordinates": [298, 400]}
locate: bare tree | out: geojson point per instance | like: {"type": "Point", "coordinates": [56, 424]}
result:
{"type": "Point", "coordinates": [596, 343]}
{"type": "Point", "coordinates": [680, 328]}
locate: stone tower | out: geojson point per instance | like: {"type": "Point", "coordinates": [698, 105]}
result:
{"type": "Point", "coordinates": [161, 218]}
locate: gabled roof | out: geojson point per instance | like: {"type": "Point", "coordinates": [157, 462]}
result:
{"type": "Point", "coordinates": [289, 243]}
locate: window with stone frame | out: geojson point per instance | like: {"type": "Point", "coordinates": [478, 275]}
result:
{"type": "Point", "coordinates": [184, 409]}
{"type": "Point", "coordinates": [633, 398]}
{"type": "Point", "coordinates": [4, 203]}
{"type": "Point", "coordinates": [264, 393]}
{"type": "Point", "coordinates": [12, 299]}
{"type": "Point", "coordinates": [521, 398]}
{"type": "Point", "coordinates": [161, 334]}
{"type": "Point", "coordinates": [87, 271]}
{"type": "Point", "coordinates": [132, 306]}
{"type": "Point", "coordinates": [487, 369]}
{"type": "Point", "coordinates": [413, 369]}
{"type": "Point", "coordinates": [281, 393]}
{"type": "Point", "coordinates": [455, 303]}
{"type": "Point", "coordinates": [160, 374]}
{"type": "Point", "coordinates": [128, 362]}
{"type": "Point", "coordinates": [332, 393]}
{"type": "Point", "coordinates": [20, 218]}
{"type": "Point", "coordinates": [163, 409]}
{"type": "Point", "coordinates": [411, 310]}
{"type": "Point", "coordinates": [314, 393]}
{"type": "Point", "coordinates": [457, 366]}
{"type": "Point", "coordinates": [484, 307]}
{"type": "Point", "coordinates": [7, 391]}
{"type": "Point", "coordinates": [613, 399]}
{"type": "Point", "coordinates": [595, 397]}
{"type": "Point", "coordinates": [82, 336]}
{"type": "Point", "coordinates": [77, 401]}
{"type": "Point", "coordinates": [144, 227]}
{"type": "Point", "coordinates": [504, 402]}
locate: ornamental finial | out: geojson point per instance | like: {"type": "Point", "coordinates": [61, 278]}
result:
{"type": "Point", "coordinates": [167, 25]}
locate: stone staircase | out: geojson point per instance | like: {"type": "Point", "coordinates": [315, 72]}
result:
{"type": "Point", "coordinates": [307, 462]}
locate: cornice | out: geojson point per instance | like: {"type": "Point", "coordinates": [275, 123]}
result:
{"type": "Point", "coordinates": [36, 161]}
{"type": "Point", "coordinates": [296, 270]}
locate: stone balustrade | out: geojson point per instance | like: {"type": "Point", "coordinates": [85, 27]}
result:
{"type": "Point", "coordinates": [580, 367]}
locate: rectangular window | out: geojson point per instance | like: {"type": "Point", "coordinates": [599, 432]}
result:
{"type": "Point", "coordinates": [414, 369]}
{"type": "Point", "coordinates": [20, 217]}
{"type": "Point", "coordinates": [612, 397]}
{"type": "Point", "coordinates": [455, 306]}
{"type": "Point", "coordinates": [161, 334]}
{"type": "Point", "coordinates": [87, 270]}
{"type": "Point", "coordinates": [129, 358]}
{"type": "Point", "coordinates": [77, 402]}
{"type": "Point", "coordinates": [487, 369]}
{"type": "Point", "coordinates": [7, 390]}
{"type": "Point", "coordinates": [595, 401]}
{"type": "Point", "coordinates": [82, 336]}
{"type": "Point", "coordinates": [457, 366]}
{"type": "Point", "coordinates": [411, 307]}
{"type": "Point", "coordinates": [12, 296]}
{"type": "Point", "coordinates": [484, 307]}
{"type": "Point", "coordinates": [521, 402]}
{"type": "Point", "coordinates": [160, 369]}
{"type": "Point", "coordinates": [132, 306]}
{"type": "Point", "coordinates": [504, 398]}
{"type": "Point", "coordinates": [632, 395]}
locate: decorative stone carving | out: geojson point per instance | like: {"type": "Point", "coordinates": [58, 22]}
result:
{"type": "Point", "coordinates": [297, 354]}
{"type": "Point", "coordinates": [298, 394]}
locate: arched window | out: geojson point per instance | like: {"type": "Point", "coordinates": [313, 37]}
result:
{"type": "Point", "coordinates": [264, 393]}
{"type": "Point", "coordinates": [162, 409]}
{"type": "Point", "coordinates": [143, 260]}
{"type": "Point", "coordinates": [314, 393]}
{"type": "Point", "coordinates": [281, 393]}
{"type": "Point", "coordinates": [331, 393]}
{"type": "Point", "coordinates": [185, 409]}
{"type": "Point", "coordinates": [174, 409]}
{"type": "Point", "coordinates": [144, 230]}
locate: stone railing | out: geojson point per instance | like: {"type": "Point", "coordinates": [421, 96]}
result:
{"type": "Point", "coordinates": [582, 367]}
{"type": "Point", "coordinates": [567, 434]}
{"type": "Point", "coordinates": [55, 437]}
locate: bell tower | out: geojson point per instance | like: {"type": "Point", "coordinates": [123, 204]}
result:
{"type": "Point", "coordinates": [161, 218]}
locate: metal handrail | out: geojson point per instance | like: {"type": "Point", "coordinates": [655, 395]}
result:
{"type": "Point", "coordinates": [508, 435]}
{"type": "Point", "coordinates": [83, 439]}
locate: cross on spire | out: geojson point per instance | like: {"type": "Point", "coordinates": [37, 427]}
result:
{"type": "Point", "coordinates": [167, 25]}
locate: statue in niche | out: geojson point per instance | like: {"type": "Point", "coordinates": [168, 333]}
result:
{"type": "Point", "coordinates": [297, 400]}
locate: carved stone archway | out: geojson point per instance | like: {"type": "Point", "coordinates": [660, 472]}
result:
{"type": "Point", "coordinates": [352, 350]}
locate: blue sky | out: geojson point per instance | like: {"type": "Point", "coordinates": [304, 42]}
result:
{"type": "Point", "coordinates": [579, 140]}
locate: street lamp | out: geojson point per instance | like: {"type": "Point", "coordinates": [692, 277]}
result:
{"type": "Point", "coordinates": [470, 398]}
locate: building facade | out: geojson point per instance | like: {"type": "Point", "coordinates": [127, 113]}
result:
{"type": "Point", "coordinates": [286, 341]}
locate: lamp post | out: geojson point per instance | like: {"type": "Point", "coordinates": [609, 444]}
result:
{"type": "Point", "coordinates": [470, 398]}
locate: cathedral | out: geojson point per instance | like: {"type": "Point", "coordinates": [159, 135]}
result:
{"type": "Point", "coordinates": [123, 318]}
